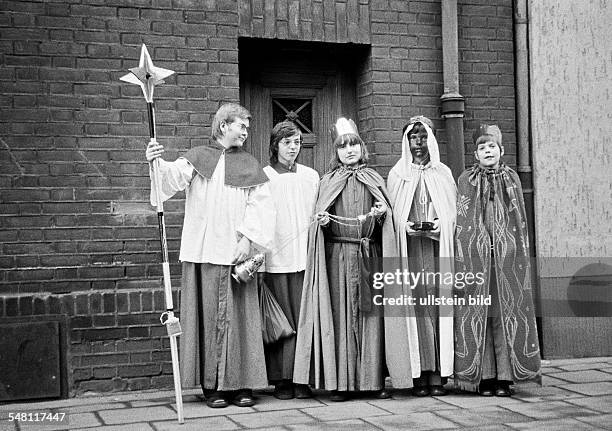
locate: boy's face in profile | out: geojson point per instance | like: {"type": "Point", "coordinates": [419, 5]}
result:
{"type": "Point", "coordinates": [235, 133]}
{"type": "Point", "coordinates": [488, 154]}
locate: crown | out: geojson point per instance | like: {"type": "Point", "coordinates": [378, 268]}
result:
{"type": "Point", "coordinates": [487, 130]}
{"type": "Point", "coordinates": [343, 126]}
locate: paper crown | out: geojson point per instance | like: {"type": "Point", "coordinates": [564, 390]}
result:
{"type": "Point", "coordinates": [487, 131]}
{"type": "Point", "coordinates": [343, 126]}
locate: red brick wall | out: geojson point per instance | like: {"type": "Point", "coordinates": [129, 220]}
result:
{"type": "Point", "coordinates": [78, 236]}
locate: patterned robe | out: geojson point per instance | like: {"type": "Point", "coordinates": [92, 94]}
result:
{"type": "Point", "coordinates": [498, 246]}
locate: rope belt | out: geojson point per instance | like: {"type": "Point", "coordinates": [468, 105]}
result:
{"type": "Point", "coordinates": [363, 256]}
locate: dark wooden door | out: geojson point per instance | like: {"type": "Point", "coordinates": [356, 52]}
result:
{"type": "Point", "coordinates": [307, 86]}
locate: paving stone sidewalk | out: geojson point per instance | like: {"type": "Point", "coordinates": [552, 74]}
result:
{"type": "Point", "coordinates": [576, 395]}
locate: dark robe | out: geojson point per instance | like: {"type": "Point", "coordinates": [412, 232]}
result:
{"type": "Point", "coordinates": [221, 346]}
{"type": "Point", "coordinates": [340, 333]}
{"type": "Point", "coordinates": [491, 238]}
{"type": "Point", "coordinates": [423, 253]}
{"type": "Point", "coordinates": [280, 356]}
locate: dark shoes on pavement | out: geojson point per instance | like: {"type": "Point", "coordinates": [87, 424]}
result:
{"type": "Point", "coordinates": [284, 390]}
{"type": "Point", "coordinates": [221, 399]}
{"type": "Point", "coordinates": [434, 391]}
{"type": "Point", "coordinates": [499, 388]}
{"type": "Point", "coordinates": [339, 396]}
{"type": "Point", "coordinates": [421, 391]}
{"type": "Point", "coordinates": [216, 399]}
{"type": "Point", "coordinates": [302, 391]}
{"type": "Point", "coordinates": [382, 394]}
{"type": "Point", "coordinates": [244, 398]}
{"type": "Point", "coordinates": [502, 389]}
{"type": "Point", "coordinates": [437, 391]}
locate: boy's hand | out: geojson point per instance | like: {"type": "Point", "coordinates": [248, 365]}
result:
{"type": "Point", "coordinates": [243, 249]}
{"type": "Point", "coordinates": [379, 209]}
{"type": "Point", "coordinates": [436, 226]}
{"type": "Point", "coordinates": [409, 229]}
{"type": "Point", "coordinates": [323, 218]}
{"type": "Point", "coordinates": [435, 232]}
{"type": "Point", "coordinates": [154, 150]}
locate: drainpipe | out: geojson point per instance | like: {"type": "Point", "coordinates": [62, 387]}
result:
{"type": "Point", "coordinates": [453, 106]}
{"type": "Point", "coordinates": [524, 168]}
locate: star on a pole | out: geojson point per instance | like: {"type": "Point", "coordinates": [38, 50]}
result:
{"type": "Point", "coordinates": [146, 75]}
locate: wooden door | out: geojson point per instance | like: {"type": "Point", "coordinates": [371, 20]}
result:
{"type": "Point", "coordinates": [306, 86]}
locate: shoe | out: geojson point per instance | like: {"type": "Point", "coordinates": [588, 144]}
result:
{"type": "Point", "coordinates": [502, 390]}
{"type": "Point", "coordinates": [382, 394]}
{"type": "Point", "coordinates": [244, 398]}
{"type": "Point", "coordinates": [284, 390]}
{"type": "Point", "coordinates": [302, 391]}
{"type": "Point", "coordinates": [421, 391]}
{"type": "Point", "coordinates": [437, 391]}
{"type": "Point", "coordinates": [216, 400]}
{"type": "Point", "coordinates": [486, 390]}
{"type": "Point", "coordinates": [338, 396]}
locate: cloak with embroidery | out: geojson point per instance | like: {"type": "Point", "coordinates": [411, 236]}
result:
{"type": "Point", "coordinates": [509, 245]}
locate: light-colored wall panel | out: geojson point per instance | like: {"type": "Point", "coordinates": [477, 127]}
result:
{"type": "Point", "coordinates": [571, 90]}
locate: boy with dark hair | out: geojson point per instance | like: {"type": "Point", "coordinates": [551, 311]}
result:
{"type": "Point", "coordinates": [294, 190]}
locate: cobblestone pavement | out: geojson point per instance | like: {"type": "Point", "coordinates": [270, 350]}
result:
{"type": "Point", "coordinates": [576, 395]}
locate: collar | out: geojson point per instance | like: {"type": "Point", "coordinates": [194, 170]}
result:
{"type": "Point", "coordinates": [284, 169]}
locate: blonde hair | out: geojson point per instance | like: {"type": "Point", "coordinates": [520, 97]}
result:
{"type": "Point", "coordinates": [228, 113]}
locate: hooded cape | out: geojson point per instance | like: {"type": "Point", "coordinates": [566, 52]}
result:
{"type": "Point", "coordinates": [512, 270]}
{"type": "Point", "coordinates": [315, 334]}
{"type": "Point", "coordinates": [401, 330]}
{"type": "Point", "coordinates": [242, 170]}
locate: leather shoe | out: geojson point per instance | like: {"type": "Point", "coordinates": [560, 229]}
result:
{"type": "Point", "coordinates": [284, 391]}
{"type": "Point", "coordinates": [502, 390]}
{"type": "Point", "coordinates": [421, 391]}
{"type": "Point", "coordinates": [302, 391]}
{"type": "Point", "coordinates": [216, 400]}
{"type": "Point", "coordinates": [485, 390]}
{"type": "Point", "coordinates": [382, 394]}
{"type": "Point", "coordinates": [338, 396]}
{"type": "Point", "coordinates": [244, 398]}
{"type": "Point", "coordinates": [437, 391]}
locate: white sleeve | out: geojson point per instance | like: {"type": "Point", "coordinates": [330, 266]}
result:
{"type": "Point", "coordinates": [259, 219]}
{"type": "Point", "coordinates": [174, 177]}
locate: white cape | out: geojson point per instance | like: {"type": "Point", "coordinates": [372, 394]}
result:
{"type": "Point", "coordinates": [402, 182]}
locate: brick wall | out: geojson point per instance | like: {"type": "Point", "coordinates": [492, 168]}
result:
{"type": "Point", "coordinates": [78, 236]}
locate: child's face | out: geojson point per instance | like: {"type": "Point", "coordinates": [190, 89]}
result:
{"type": "Point", "coordinates": [288, 149]}
{"type": "Point", "coordinates": [418, 144]}
{"type": "Point", "coordinates": [350, 155]}
{"type": "Point", "coordinates": [488, 154]}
